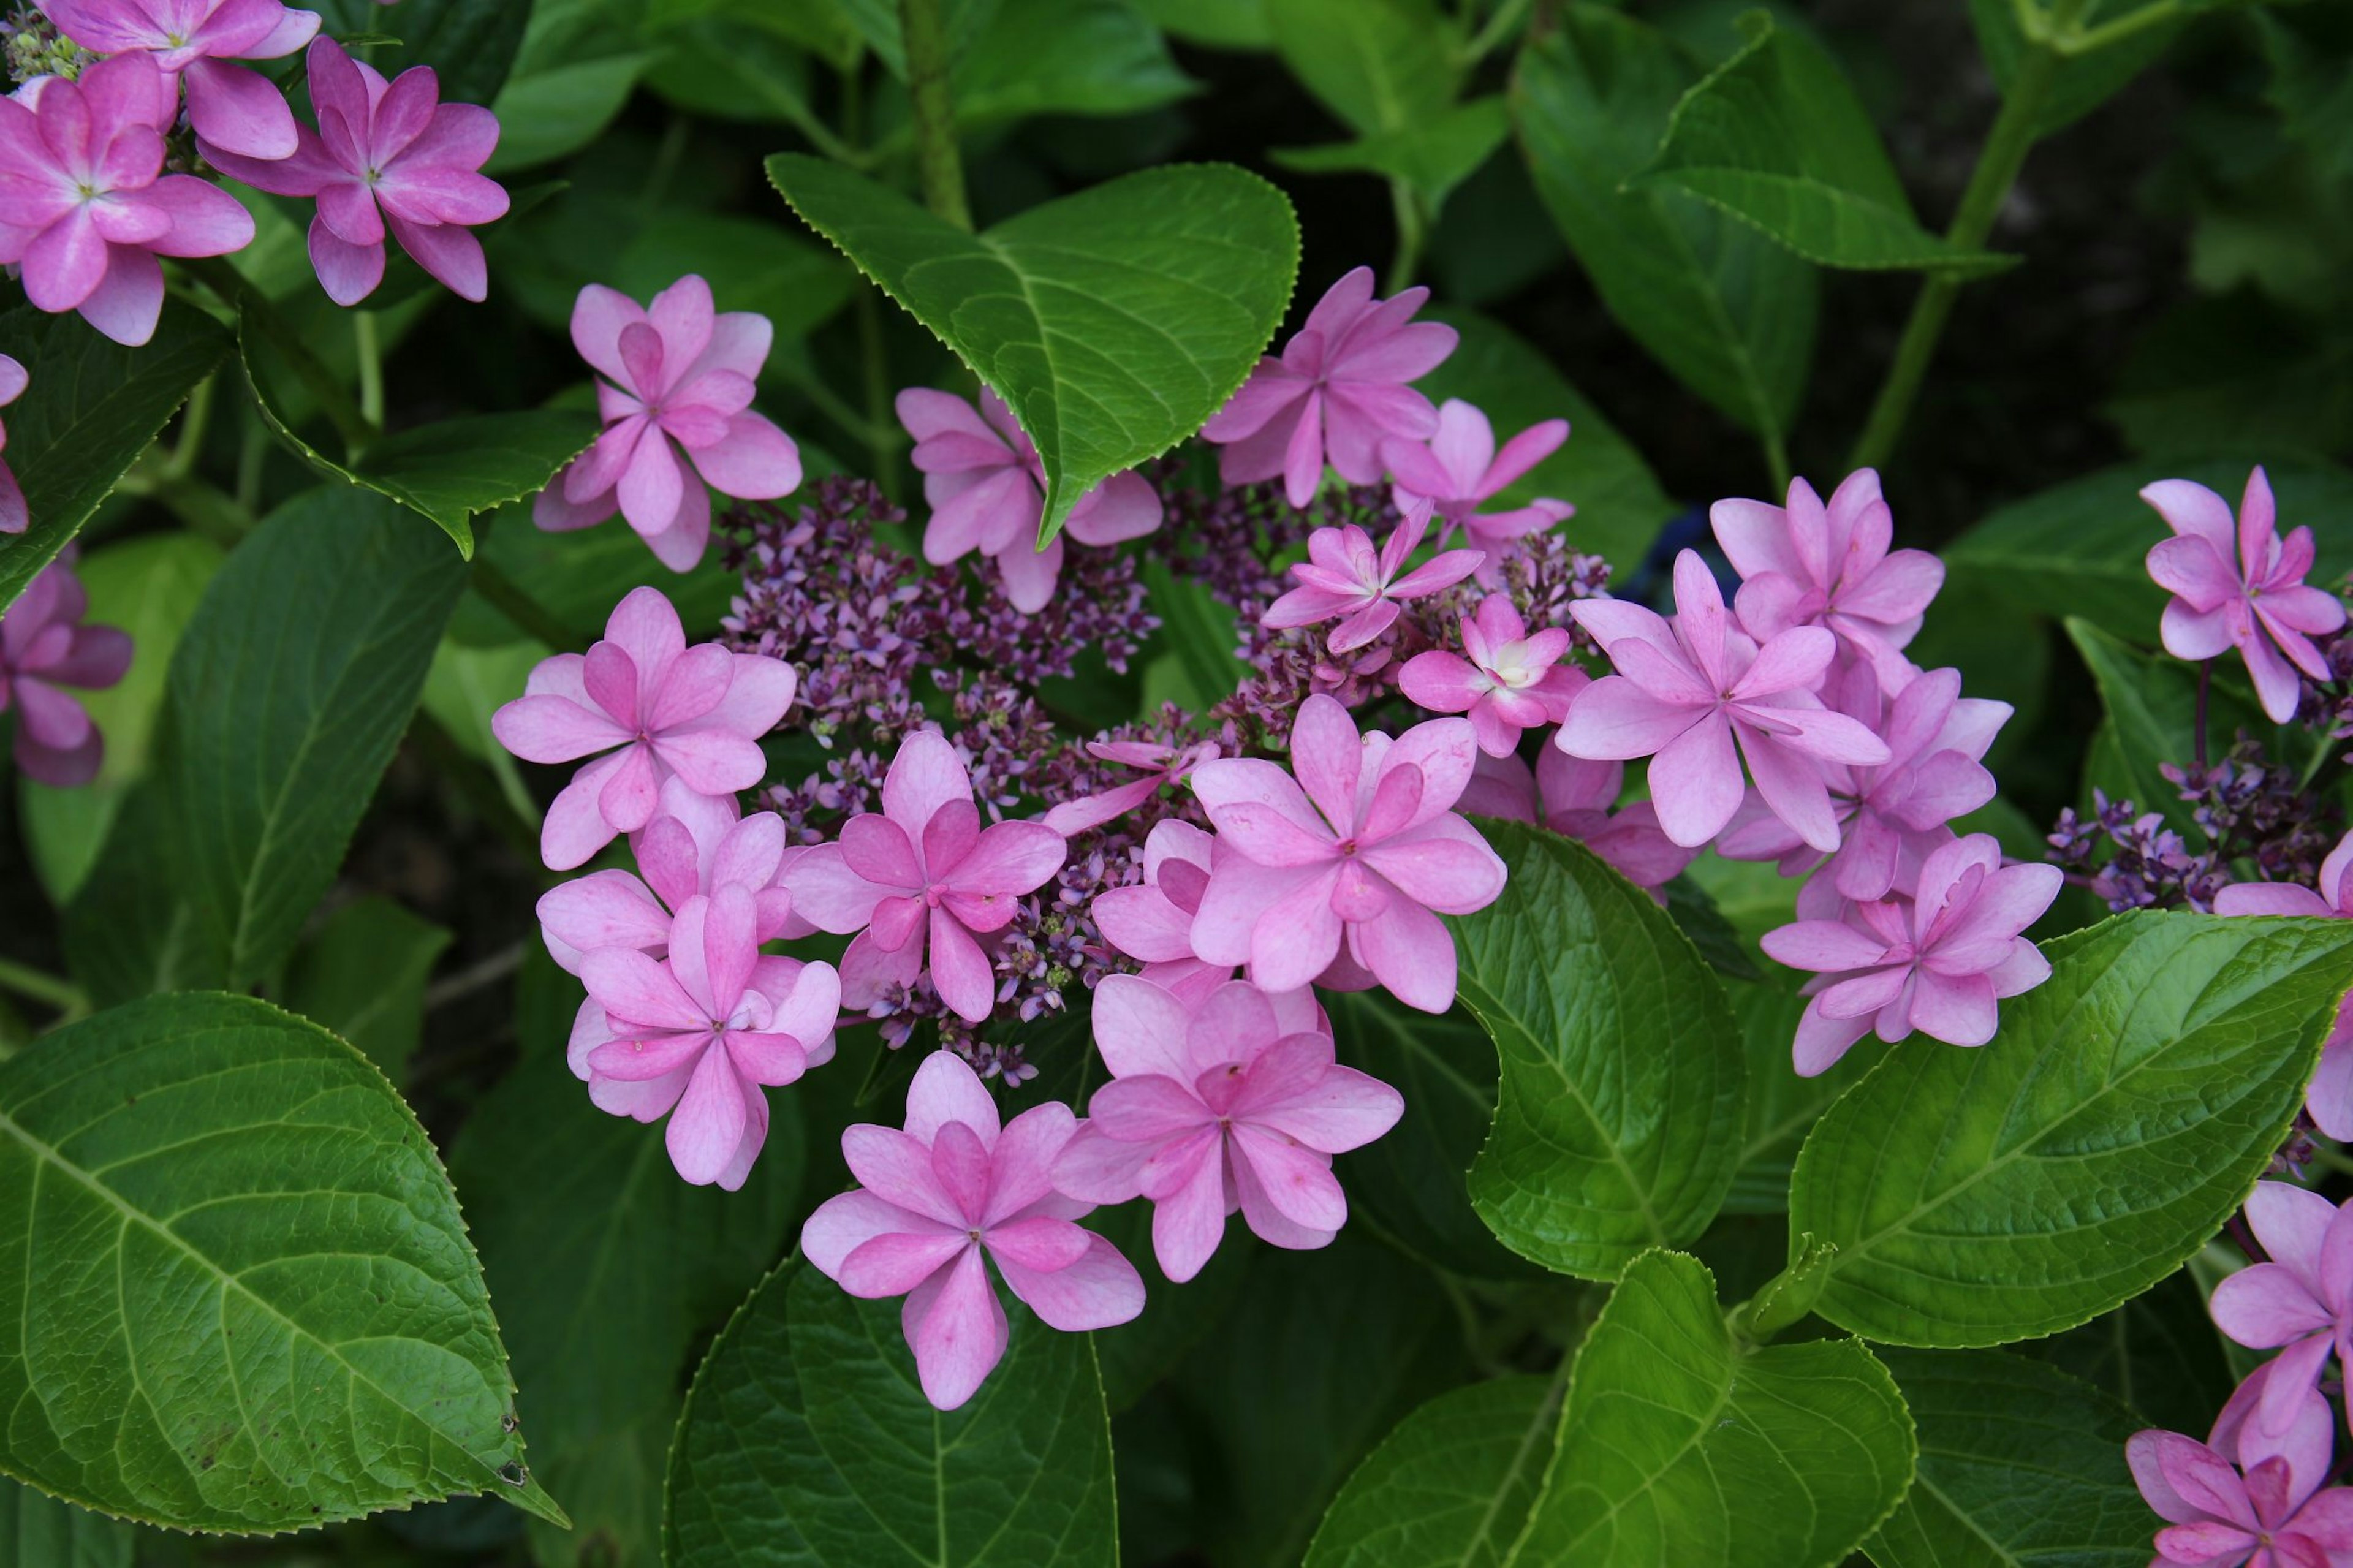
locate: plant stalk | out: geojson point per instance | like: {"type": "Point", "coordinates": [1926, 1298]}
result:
{"type": "Point", "coordinates": [41, 987]}
{"type": "Point", "coordinates": [939, 163]}
{"type": "Point", "coordinates": [370, 362]}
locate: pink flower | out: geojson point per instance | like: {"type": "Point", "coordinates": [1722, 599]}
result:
{"type": "Point", "coordinates": [2302, 1299]}
{"type": "Point", "coordinates": [698, 713]}
{"type": "Point", "coordinates": [2276, 1516]}
{"type": "Point", "coordinates": [1336, 392]}
{"type": "Point", "coordinates": [679, 392]}
{"type": "Point", "coordinates": [386, 156]}
{"type": "Point", "coordinates": [1366, 852]}
{"type": "Point", "coordinates": [229, 106]}
{"type": "Point", "coordinates": [1234, 1103]}
{"type": "Point", "coordinates": [1152, 922]}
{"type": "Point", "coordinates": [696, 844]}
{"type": "Point", "coordinates": [1685, 693]}
{"type": "Point", "coordinates": [1162, 764]}
{"type": "Point", "coordinates": [1344, 577]}
{"type": "Point", "coordinates": [2330, 1098]}
{"type": "Point", "coordinates": [1458, 470]}
{"type": "Point", "coordinates": [702, 1031]}
{"type": "Point", "coordinates": [14, 518]}
{"type": "Point", "coordinates": [1937, 963]}
{"type": "Point", "coordinates": [936, 1202]}
{"type": "Point", "coordinates": [1504, 678]}
{"type": "Point", "coordinates": [1580, 802]}
{"type": "Point", "coordinates": [1811, 565]}
{"type": "Point", "coordinates": [43, 648]}
{"type": "Point", "coordinates": [84, 206]}
{"type": "Point", "coordinates": [2241, 586]}
{"type": "Point", "coordinates": [987, 487]}
{"type": "Point", "coordinates": [923, 861]}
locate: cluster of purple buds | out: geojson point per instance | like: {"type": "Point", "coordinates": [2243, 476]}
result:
{"type": "Point", "coordinates": [2149, 865]}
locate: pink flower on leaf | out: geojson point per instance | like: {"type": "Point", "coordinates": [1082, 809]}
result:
{"type": "Point", "coordinates": [1505, 678]}
{"type": "Point", "coordinates": [654, 708]}
{"type": "Point", "coordinates": [2330, 1098]}
{"type": "Point", "coordinates": [1152, 920]}
{"type": "Point", "coordinates": [1346, 579]}
{"type": "Point", "coordinates": [44, 649]}
{"type": "Point", "coordinates": [2273, 1515]}
{"type": "Point", "coordinates": [2299, 1303]}
{"type": "Point", "coordinates": [1233, 1103]}
{"type": "Point", "coordinates": [1458, 470]}
{"type": "Point", "coordinates": [2239, 584]}
{"type": "Point", "coordinates": [677, 407]}
{"type": "Point", "coordinates": [14, 518]}
{"type": "Point", "coordinates": [938, 1202]}
{"type": "Point", "coordinates": [234, 109]}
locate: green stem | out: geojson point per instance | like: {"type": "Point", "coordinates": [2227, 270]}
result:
{"type": "Point", "coordinates": [205, 506]}
{"type": "Point", "coordinates": [1776, 457]}
{"type": "Point", "coordinates": [939, 163]}
{"type": "Point", "coordinates": [370, 362]}
{"type": "Point", "coordinates": [2090, 40]}
{"type": "Point", "coordinates": [1412, 229]}
{"type": "Point", "coordinates": [231, 289]}
{"type": "Point", "coordinates": [505, 596]}
{"type": "Point", "coordinates": [189, 444]}
{"type": "Point", "coordinates": [1499, 28]}
{"type": "Point", "coordinates": [43, 987]}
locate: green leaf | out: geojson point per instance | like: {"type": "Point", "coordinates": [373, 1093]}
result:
{"type": "Point", "coordinates": [129, 931]}
{"type": "Point", "coordinates": [87, 411]}
{"type": "Point", "coordinates": [2122, 1112]}
{"type": "Point", "coordinates": [1620, 505]}
{"type": "Point", "coordinates": [1726, 309]}
{"type": "Point", "coordinates": [362, 975]}
{"type": "Point", "coordinates": [729, 68]}
{"type": "Point", "coordinates": [1450, 1486]}
{"type": "Point", "coordinates": [607, 1270]}
{"type": "Point", "coordinates": [548, 114]}
{"type": "Point", "coordinates": [1622, 1081]}
{"type": "Point", "coordinates": [1378, 65]}
{"type": "Point", "coordinates": [1065, 57]}
{"type": "Point", "coordinates": [1433, 156]}
{"type": "Point", "coordinates": [471, 43]}
{"type": "Point", "coordinates": [2159, 1354]}
{"type": "Point", "coordinates": [1681, 1449]}
{"type": "Point", "coordinates": [2019, 1463]}
{"type": "Point", "coordinates": [37, 1531]}
{"type": "Point", "coordinates": [1220, 24]}
{"type": "Point", "coordinates": [451, 470]}
{"type": "Point", "coordinates": [1136, 1355]}
{"type": "Point", "coordinates": [1775, 137]}
{"type": "Point", "coordinates": [246, 1302]}
{"type": "Point", "coordinates": [2082, 81]}
{"type": "Point", "coordinates": [2152, 708]}
{"type": "Point", "coordinates": [1782, 1106]}
{"type": "Point", "coordinates": [1114, 322]}
{"type": "Point", "coordinates": [806, 1441]}
{"type": "Point", "coordinates": [1197, 633]}
{"type": "Point", "coordinates": [467, 687]}
{"type": "Point", "coordinates": [288, 692]}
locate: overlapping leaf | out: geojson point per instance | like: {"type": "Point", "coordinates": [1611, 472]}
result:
{"type": "Point", "coordinates": [1450, 1486]}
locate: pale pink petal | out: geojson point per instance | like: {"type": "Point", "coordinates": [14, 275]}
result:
{"type": "Point", "coordinates": [961, 1335]}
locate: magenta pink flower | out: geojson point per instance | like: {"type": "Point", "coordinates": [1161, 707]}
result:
{"type": "Point", "coordinates": [1234, 1103]}
{"type": "Point", "coordinates": [229, 106]}
{"type": "Point", "coordinates": [923, 862]}
{"type": "Point", "coordinates": [987, 487]}
{"type": "Point", "coordinates": [1345, 578]}
{"type": "Point", "coordinates": [14, 518]}
{"type": "Point", "coordinates": [84, 206]}
{"type": "Point", "coordinates": [2300, 1303]}
{"type": "Point", "coordinates": [1937, 963]}
{"type": "Point", "coordinates": [386, 156]}
{"type": "Point", "coordinates": [937, 1202]}
{"type": "Point", "coordinates": [43, 648]}
{"type": "Point", "coordinates": [2330, 1098]}
{"type": "Point", "coordinates": [1169, 765]}
{"type": "Point", "coordinates": [678, 414]}
{"type": "Point", "coordinates": [1576, 800]}
{"type": "Point", "coordinates": [695, 1035]}
{"type": "Point", "coordinates": [1338, 390]}
{"type": "Point", "coordinates": [2240, 584]}
{"type": "Point", "coordinates": [2274, 1515]}
{"type": "Point", "coordinates": [652, 707]}
{"type": "Point", "coordinates": [1687, 693]}
{"type": "Point", "coordinates": [1152, 922]}
{"type": "Point", "coordinates": [1806, 565]}
{"type": "Point", "coordinates": [1458, 470]}
{"type": "Point", "coordinates": [1367, 854]}
{"type": "Point", "coordinates": [1506, 679]}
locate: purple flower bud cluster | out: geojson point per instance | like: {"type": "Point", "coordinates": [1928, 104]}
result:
{"type": "Point", "coordinates": [2149, 866]}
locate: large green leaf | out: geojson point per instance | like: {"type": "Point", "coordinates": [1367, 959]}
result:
{"type": "Point", "coordinates": [2082, 81]}
{"type": "Point", "coordinates": [130, 930]}
{"type": "Point", "coordinates": [1727, 311]}
{"type": "Point", "coordinates": [37, 1531]}
{"type": "Point", "coordinates": [1065, 57]}
{"type": "Point", "coordinates": [1620, 1123]}
{"type": "Point", "coordinates": [361, 974]}
{"type": "Point", "coordinates": [1378, 65]}
{"type": "Point", "coordinates": [806, 1441]}
{"type": "Point", "coordinates": [287, 694]}
{"type": "Point", "coordinates": [2159, 1354]}
{"type": "Point", "coordinates": [242, 1299]}
{"type": "Point", "coordinates": [1450, 1487]}
{"type": "Point", "coordinates": [2123, 1109]}
{"type": "Point", "coordinates": [470, 44]}
{"type": "Point", "coordinates": [1114, 322]}
{"type": "Point", "coordinates": [88, 409]}
{"type": "Point", "coordinates": [1775, 137]}
{"type": "Point", "coordinates": [1680, 1449]}
{"type": "Point", "coordinates": [606, 1268]}
{"type": "Point", "coordinates": [2019, 1464]}
{"type": "Point", "coordinates": [1432, 157]}
{"type": "Point", "coordinates": [1782, 1106]}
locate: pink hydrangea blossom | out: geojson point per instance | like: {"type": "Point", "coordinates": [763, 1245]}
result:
{"type": "Point", "coordinates": [677, 407]}
{"type": "Point", "coordinates": [2330, 1098]}
{"type": "Point", "coordinates": [2299, 1303]}
{"type": "Point", "coordinates": [945, 1196]}
{"type": "Point", "coordinates": [1937, 963]}
{"type": "Point", "coordinates": [923, 867]}
{"type": "Point", "coordinates": [1364, 857]}
{"type": "Point", "coordinates": [1806, 565]}
{"type": "Point", "coordinates": [2236, 584]}
{"type": "Point", "coordinates": [987, 487]}
{"type": "Point", "coordinates": [1580, 801]}
{"type": "Point", "coordinates": [1336, 394]}
{"type": "Point", "coordinates": [1346, 579]}
{"type": "Point", "coordinates": [14, 517]}
{"type": "Point", "coordinates": [1233, 1103]}
{"type": "Point", "coordinates": [84, 206]}
{"type": "Point", "coordinates": [1687, 693]}
{"type": "Point", "coordinates": [2275, 1515]}
{"type": "Point", "coordinates": [653, 707]}
{"type": "Point", "coordinates": [1505, 678]}
{"type": "Point", "coordinates": [1152, 920]}
{"type": "Point", "coordinates": [43, 649]}
{"type": "Point", "coordinates": [695, 1035]}
{"type": "Point", "coordinates": [230, 107]}
{"type": "Point", "coordinates": [387, 157]}
{"type": "Point", "coordinates": [1170, 766]}
{"type": "Point", "coordinates": [1458, 470]}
